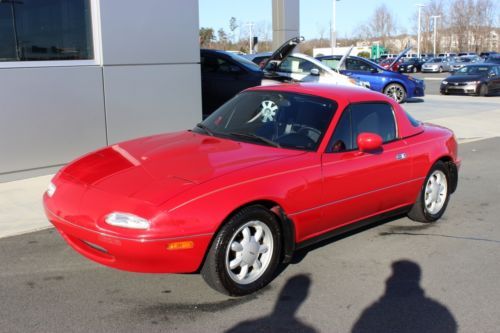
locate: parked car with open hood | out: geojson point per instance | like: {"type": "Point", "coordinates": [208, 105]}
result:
{"type": "Point", "coordinates": [224, 74]}
{"type": "Point", "coordinates": [393, 84]}
{"type": "Point", "coordinates": [476, 79]}
{"type": "Point", "coordinates": [285, 66]}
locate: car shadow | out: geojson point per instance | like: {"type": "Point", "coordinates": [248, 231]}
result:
{"type": "Point", "coordinates": [404, 307]}
{"type": "Point", "coordinates": [283, 318]}
{"type": "Point", "coordinates": [299, 255]}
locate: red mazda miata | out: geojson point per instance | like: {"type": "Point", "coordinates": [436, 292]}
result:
{"type": "Point", "coordinates": [274, 169]}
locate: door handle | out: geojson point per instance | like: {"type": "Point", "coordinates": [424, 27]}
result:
{"type": "Point", "coordinates": [401, 156]}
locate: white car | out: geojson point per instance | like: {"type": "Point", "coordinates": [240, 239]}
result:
{"type": "Point", "coordinates": [285, 66]}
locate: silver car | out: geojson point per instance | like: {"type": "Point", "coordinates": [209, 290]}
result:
{"type": "Point", "coordinates": [437, 65]}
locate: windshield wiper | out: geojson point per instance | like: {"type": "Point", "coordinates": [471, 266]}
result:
{"type": "Point", "coordinates": [256, 137]}
{"type": "Point", "coordinates": [205, 128]}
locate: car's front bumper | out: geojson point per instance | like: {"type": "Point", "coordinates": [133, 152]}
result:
{"type": "Point", "coordinates": [430, 70]}
{"type": "Point", "coordinates": [132, 254]}
{"type": "Point", "coordinates": [465, 89]}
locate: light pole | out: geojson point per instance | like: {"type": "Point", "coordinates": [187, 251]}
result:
{"type": "Point", "coordinates": [418, 32]}
{"type": "Point", "coordinates": [250, 37]}
{"type": "Point", "coordinates": [333, 39]}
{"type": "Point", "coordinates": [435, 17]}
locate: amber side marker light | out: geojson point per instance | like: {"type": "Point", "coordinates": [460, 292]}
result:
{"type": "Point", "coordinates": [184, 245]}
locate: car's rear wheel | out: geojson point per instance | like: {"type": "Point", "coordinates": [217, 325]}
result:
{"type": "Point", "coordinates": [245, 252]}
{"type": "Point", "coordinates": [396, 92]}
{"type": "Point", "coordinates": [483, 90]}
{"type": "Point", "coordinates": [434, 195]}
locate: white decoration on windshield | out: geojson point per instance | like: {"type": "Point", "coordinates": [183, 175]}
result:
{"type": "Point", "coordinates": [268, 111]}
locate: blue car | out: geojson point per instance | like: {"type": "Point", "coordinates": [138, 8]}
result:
{"type": "Point", "coordinates": [395, 85]}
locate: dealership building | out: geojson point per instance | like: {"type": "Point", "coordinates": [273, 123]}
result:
{"type": "Point", "coordinates": [76, 75]}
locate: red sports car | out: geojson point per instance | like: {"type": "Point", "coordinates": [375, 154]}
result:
{"type": "Point", "coordinates": [274, 169]}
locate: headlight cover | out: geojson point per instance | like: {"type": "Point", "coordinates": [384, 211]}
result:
{"type": "Point", "coordinates": [444, 82]}
{"type": "Point", "coordinates": [51, 189]}
{"type": "Point", "coordinates": [126, 220]}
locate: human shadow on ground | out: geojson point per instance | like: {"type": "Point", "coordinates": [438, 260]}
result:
{"type": "Point", "coordinates": [283, 318]}
{"type": "Point", "coordinates": [404, 307]}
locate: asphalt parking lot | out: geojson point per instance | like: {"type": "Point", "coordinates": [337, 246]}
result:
{"type": "Point", "coordinates": [398, 276]}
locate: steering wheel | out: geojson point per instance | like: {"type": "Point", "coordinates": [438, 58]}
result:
{"type": "Point", "coordinates": [309, 129]}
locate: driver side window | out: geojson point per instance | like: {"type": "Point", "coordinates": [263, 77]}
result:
{"type": "Point", "coordinates": [358, 65]}
{"type": "Point", "coordinates": [360, 118]}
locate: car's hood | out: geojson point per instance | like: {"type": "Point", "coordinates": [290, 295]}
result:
{"type": "Point", "coordinates": [400, 55]}
{"type": "Point", "coordinates": [463, 78]}
{"type": "Point", "coordinates": [284, 50]}
{"type": "Point", "coordinates": [157, 168]}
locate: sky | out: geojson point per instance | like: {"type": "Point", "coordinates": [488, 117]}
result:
{"type": "Point", "coordinates": [315, 15]}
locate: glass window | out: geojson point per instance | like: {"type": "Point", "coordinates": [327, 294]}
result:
{"type": "Point", "coordinates": [342, 136]}
{"type": "Point", "coordinates": [332, 63]}
{"type": "Point", "coordinates": [358, 65]}
{"type": "Point", "coordinates": [288, 120]}
{"type": "Point", "coordinates": [34, 30]}
{"type": "Point", "coordinates": [374, 118]}
{"type": "Point", "coordinates": [297, 65]}
{"type": "Point", "coordinates": [213, 64]}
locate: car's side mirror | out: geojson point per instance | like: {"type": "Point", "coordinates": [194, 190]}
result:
{"type": "Point", "coordinates": [492, 75]}
{"type": "Point", "coordinates": [369, 142]}
{"type": "Point", "coordinates": [373, 70]}
{"type": "Point", "coordinates": [314, 71]}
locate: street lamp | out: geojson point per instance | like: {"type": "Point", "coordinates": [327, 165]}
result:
{"type": "Point", "coordinates": [333, 39]}
{"type": "Point", "coordinates": [434, 27]}
{"type": "Point", "coordinates": [418, 32]}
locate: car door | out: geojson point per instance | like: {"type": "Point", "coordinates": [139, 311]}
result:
{"type": "Point", "coordinates": [222, 79]}
{"type": "Point", "coordinates": [364, 71]}
{"type": "Point", "coordinates": [494, 78]}
{"type": "Point", "coordinates": [357, 185]}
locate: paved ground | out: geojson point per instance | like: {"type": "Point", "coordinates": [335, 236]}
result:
{"type": "Point", "coordinates": [411, 277]}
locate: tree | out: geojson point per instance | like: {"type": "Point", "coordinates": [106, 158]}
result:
{"type": "Point", "coordinates": [222, 37]}
{"type": "Point", "coordinates": [382, 25]}
{"type": "Point", "coordinates": [206, 36]}
{"type": "Point", "coordinates": [233, 25]}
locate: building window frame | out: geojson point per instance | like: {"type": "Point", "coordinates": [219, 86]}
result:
{"type": "Point", "coordinates": [96, 43]}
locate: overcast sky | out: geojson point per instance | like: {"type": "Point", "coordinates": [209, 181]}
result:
{"type": "Point", "coordinates": [314, 14]}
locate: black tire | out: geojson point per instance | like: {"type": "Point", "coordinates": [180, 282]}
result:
{"type": "Point", "coordinates": [419, 211]}
{"type": "Point", "coordinates": [440, 69]}
{"type": "Point", "coordinates": [215, 270]}
{"type": "Point", "coordinates": [414, 69]}
{"type": "Point", "coordinates": [483, 90]}
{"type": "Point", "coordinates": [395, 91]}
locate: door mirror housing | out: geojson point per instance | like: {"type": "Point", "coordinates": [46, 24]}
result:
{"type": "Point", "coordinates": [314, 71]}
{"type": "Point", "coordinates": [369, 142]}
{"type": "Point", "coordinates": [373, 70]}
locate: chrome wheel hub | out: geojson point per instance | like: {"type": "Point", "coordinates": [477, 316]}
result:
{"type": "Point", "coordinates": [436, 191]}
{"type": "Point", "coordinates": [250, 252]}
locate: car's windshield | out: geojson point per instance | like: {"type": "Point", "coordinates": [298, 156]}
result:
{"type": "Point", "coordinates": [474, 70]}
{"type": "Point", "coordinates": [436, 60]}
{"type": "Point", "coordinates": [243, 60]}
{"type": "Point", "coordinates": [280, 119]}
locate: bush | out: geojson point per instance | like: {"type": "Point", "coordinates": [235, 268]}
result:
{"type": "Point", "coordinates": [364, 54]}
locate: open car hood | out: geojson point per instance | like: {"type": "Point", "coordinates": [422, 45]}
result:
{"type": "Point", "coordinates": [283, 51]}
{"type": "Point", "coordinates": [343, 59]}
{"type": "Point", "coordinates": [400, 56]}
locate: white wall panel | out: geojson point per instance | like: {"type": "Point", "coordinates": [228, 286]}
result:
{"type": "Point", "coordinates": [149, 32]}
{"type": "Point", "coordinates": [150, 99]}
{"type": "Point", "coordinates": [49, 116]}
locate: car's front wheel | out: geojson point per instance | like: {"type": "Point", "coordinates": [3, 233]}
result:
{"type": "Point", "coordinates": [434, 195]}
{"type": "Point", "coordinates": [483, 90]}
{"type": "Point", "coordinates": [245, 252]}
{"type": "Point", "coordinates": [396, 92]}
{"type": "Point", "coordinates": [414, 69]}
